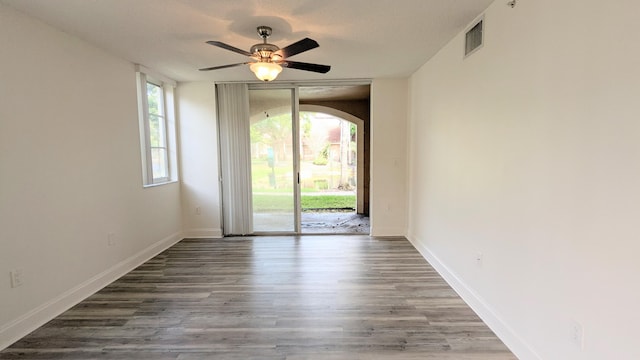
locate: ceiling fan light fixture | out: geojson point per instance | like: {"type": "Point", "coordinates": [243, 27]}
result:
{"type": "Point", "coordinates": [265, 71]}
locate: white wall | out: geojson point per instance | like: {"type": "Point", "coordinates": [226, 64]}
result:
{"type": "Point", "coordinates": [389, 101]}
{"type": "Point", "coordinates": [199, 160]}
{"type": "Point", "coordinates": [70, 174]}
{"type": "Point", "coordinates": [528, 152]}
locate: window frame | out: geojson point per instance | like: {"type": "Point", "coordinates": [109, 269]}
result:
{"type": "Point", "coordinates": [166, 86]}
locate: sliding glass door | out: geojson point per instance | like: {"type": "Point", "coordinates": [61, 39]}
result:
{"type": "Point", "coordinates": [273, 160]}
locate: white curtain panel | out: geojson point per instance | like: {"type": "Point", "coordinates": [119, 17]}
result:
{"type": "Point", "coordinates": [235, 158]}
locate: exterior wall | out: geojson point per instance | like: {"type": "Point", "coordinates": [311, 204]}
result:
{"type": "Point", "coordinates": [199, 160]}
{"type": "Point", "coordinates": [526, 154]}
{"type": "Point", "coordinates": [358, 108]}
{"type": "Point", "coordinates": [389, 101]}
{"type": "Point", "coordinates": [71, 174]}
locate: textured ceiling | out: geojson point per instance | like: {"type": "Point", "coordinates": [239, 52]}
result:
{"type": "Point", "coordinates": [358, 38]}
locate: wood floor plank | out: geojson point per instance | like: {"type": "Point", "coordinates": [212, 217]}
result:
{"type": "Point", "coordinates": [308, 297]}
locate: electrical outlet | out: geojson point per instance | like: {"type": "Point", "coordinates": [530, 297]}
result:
{"type": "Point", "coordinates": [576, 334]}
{"type": "Point", "coordinates": [198, 211]}
{"type": "Point", "coordinates": [111, 239]}
{"type": "Point", "coordinates": [16, 278]}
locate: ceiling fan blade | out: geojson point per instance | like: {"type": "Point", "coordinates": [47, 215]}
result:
{"type": "Point", "coordinates": [297, 47]}
{"type": "Point", "coordinates": [306, 66]}
{"type": "Point", "coordinates": [223, 66]}
{"type": "Point", "coordinates": [229, 47]}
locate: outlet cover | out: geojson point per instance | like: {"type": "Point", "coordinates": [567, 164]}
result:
{"type": "Point", "coordinates": [577, 334]}
{"type": "Point", "coordinates": [111, 239]}
{"type": "Point", "coordinates": [16, 278]}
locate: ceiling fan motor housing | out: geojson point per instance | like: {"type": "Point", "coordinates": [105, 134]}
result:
{"type": "Point", "coordinates": [264, 51]}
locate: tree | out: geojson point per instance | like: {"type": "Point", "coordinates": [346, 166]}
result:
{"type": "Point", "coordinates": [274, 131]}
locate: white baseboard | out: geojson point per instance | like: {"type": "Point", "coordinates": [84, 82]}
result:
{"type": "Point", "coordinates": [387, 231]}
{"type": "Point", "coordinates": [204, 233]}
{"type": "Point", "coordinates": [514, 342]}
{"type": "Point", "coordinates": [37, 317]}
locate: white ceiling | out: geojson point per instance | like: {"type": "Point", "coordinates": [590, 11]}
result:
{"type": "Point", "coordinates": [358, 38]}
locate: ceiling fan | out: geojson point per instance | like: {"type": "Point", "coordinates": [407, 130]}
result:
{"type": "Point", "coordinates": [267, 60]}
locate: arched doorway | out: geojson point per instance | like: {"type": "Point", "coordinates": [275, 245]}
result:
{"type": "Point", "coordinates": [331, 171]}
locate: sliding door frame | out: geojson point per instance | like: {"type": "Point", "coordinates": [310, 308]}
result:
{"type": "Point", "coordinates": [295, 139]}
{"type": "Point", "coordinates": [295, 89]}
{"type": "Point", "coordinates": [296, 159]}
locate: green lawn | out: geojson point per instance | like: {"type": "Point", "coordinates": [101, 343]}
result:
{"type": "Point", "coordinates": [328, 202]}
{"type": "Point", "coordinates": [280, 198]}
{"type": "Point", "coordinates": [271, 202]}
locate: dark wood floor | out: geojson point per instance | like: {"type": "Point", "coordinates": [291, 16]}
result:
{"type": "Point", "coordinates": [311, 297]}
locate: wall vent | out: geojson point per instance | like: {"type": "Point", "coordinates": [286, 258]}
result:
{"type": "Point", "coordinates": [474, 38]}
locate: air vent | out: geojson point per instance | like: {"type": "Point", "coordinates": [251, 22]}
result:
{"type": "Point", "coordinates": [473, 38]}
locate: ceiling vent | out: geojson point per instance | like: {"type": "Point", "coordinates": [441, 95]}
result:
{"type": "Point", "coordinates": [474, 37]}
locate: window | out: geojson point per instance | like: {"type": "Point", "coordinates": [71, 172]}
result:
{"type": "Point", "coordinates": [157, 133]}
{"type": "Point", "coordinates": [157, 129]}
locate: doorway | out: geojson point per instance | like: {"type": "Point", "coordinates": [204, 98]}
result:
{"type": "Point", "coordinates": [309, 159]}
{"type": "Point", "coordinates": [329, 166]}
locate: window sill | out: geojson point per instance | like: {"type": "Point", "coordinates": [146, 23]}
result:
{"type": "Point", "coordinates": [159, 184]}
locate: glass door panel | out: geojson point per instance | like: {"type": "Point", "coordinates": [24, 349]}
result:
{"type": "Point", "coordinates": [272, 160]}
